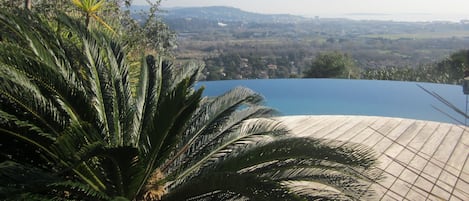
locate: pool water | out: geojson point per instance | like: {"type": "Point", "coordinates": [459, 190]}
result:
{"type": "Point", "coordinates": [350, 97]}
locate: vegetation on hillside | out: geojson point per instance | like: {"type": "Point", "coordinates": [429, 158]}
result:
{"type": "Point", "coordinates": [450, 70]}
{"type": "Point", "coordinates": [71, 128]}
{"type": "Point", "coordinates": [250, 49]}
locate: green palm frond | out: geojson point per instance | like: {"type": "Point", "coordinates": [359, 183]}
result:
{"type": "Point", "coordinates": [250, 133]}
{"type": "Point", "coordinates": [14, 183]}
{"type": "Point", "coordinates": [18, 90]}
{"type": "Point", "coordinates": [214, 112]}
{"type": "Point", "coordinates": [318, 191]}
{"type": "Point", "coordinates": [36, 184]}
{"type": "Point", "coordinates": [123, 94]}
{"type": "Point", "coordinates": [351, 155]}
{"type": "Point", "coordinates": [110, 87]}
{"type": "Point", "coordinates": [214, 119]}
{"type": "Point", "coordinates": [347, 185]}
{"type": "Point", "coordinates": [346, 168]}
{"type": "Point", "coordinates": [52, 71]}
{"type": "Point", "coordinates": [77, 190]}
{"type": "Point", "coordinates": [180, 103]}
{"type": "Point", "coordinates": [122, 164]}
{"type": "Point", "coordinates": [148, 91]}
{"type": "Point", "coordinates": [231, 185]}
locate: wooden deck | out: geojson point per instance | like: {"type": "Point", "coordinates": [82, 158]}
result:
{"type": "Point", "coordinates": [421, 160]}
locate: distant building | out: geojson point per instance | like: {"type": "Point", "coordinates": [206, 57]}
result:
{"type": "Point", "coordinates": [464, 21]}
{"type": "Point", "coordinates": [221, 24]}
{"type": "Point", "coordinates": [272, 66]}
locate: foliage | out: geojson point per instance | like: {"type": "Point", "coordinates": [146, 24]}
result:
{"type": "Point", "coordinates": [240, 66]}
{"type": "Point", "coordinates": [331, 64]}
{"type": "Point", "coordinates": [455, 65]}
{"type": "Point", "coordinates": [420, 74]}
{"type": "Point", "coordinates": [449, 71]}
{"type": "Point", "coordinates": [113, 15]}
{"type": "Point", "coordinates": [71, 130]}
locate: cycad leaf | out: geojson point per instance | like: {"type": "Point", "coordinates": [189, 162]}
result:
{"type": "Point", "coordinates": [207, 142]}
{"type": "Point", "coordinates": [303, 148]}
{"type": "Point", "coordinates": [216, 118]}
{"type": "Point", "coordinates": [18, 180]}
{"type": "Point", "coordinates": [247, 186]}
{"type": "Point", "coordinates": [315, 191]}
{"type": "Point", "coordinates": [347, 185]}
{"type": "Point", "coordinates": [148, 93]}
{"type": "Point", "coordinates": [250, 133]}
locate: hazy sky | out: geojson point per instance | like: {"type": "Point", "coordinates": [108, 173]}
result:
{"type": "Point", "coordinates": [312, 7]}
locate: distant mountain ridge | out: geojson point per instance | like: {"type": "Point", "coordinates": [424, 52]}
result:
{"type": "Point", "coordinates": [224, 14]}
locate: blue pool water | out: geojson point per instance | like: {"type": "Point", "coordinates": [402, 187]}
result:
{"type": "Point", "coordinates": [350, 97]}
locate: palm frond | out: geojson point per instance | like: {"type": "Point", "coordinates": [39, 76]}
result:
{"type": "Point", "coordinates": [207, 142]}
{"type": "Point", "coordinates": [122, 165]}
{"type": "Point", "coordinates": [353, 155]}
{"type": "Point", "coordinates": [315, 191]}
{"type": "Point", "coordinates": [51, 69]}
{"type": "Point", "coordinates": [18, 90]}
{"type": "Point", "coordinates": [216, 111]}
{"type": "Point", "coordinates": [348, 168]}
{"type": "Point", "coordinates": [251, 133]}
{"type": "Point", "coordinates": [246, 185]}
{"type": "Point", "coordinates": [125, 103]}
{"type": "Point", "coordinates": [165, 106]}
{"type": "Point", "coordinates": [25, 142]}
{"type": "Point", "coordinates": [214, 119]}
{"type": "Point", "coordinates": [31, 183]}
{"type": "Point", "coordinates": [99, 84]}
{"type": "Point", "coordinates": [347, 185]}
{"type": "Point", "coordinates": [77, 190]}
{"type": "Point", "coordinates": [178, 101]}
{"type": "Point", "coordinates": [148, 91]}
{"type": "Point", "coordinates": [18, 178]}
{"type": "Point", "coordinates": [180, 104]}
{"type": "Point", "coordinates": [73, 146]}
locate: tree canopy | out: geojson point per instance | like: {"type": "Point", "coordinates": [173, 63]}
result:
{"type": "Point", "coordinates": [332, 65]}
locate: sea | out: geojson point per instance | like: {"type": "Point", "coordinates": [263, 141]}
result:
{"type": "Point", "coordinates": [398, 17]}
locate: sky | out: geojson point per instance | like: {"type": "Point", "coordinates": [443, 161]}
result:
{"type": "Point", "coordinates": [321, 7]}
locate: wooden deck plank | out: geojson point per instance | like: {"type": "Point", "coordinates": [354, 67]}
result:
{"type": "Point", "coordinates": [346, 128]}
{"type": "Point", "coordinates": [368, 132]}
{"type": "Point", "coordinates": [330, 126]}
{"type": "Point", "coordinates": [423, 160]}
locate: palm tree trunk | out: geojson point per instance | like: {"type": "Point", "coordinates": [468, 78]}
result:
{"type": "Point", "coordinates": [87, 20]}
{"type": "Point", "coordinates": [28, 4]}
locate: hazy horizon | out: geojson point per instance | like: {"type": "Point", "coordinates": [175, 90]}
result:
{"type": "Point", "coordinates": [398, 10]}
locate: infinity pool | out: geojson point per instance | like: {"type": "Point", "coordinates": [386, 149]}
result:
{"type": "Point", "coordinates": [350, 97]}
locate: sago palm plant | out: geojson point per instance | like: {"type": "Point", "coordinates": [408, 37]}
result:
{"type": "Point", "coordinates": [71, 129]}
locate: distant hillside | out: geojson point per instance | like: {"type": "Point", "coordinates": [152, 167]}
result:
{"type": "Point", "coordinates": [229, 14]}
{"type": "Point", "coordinates": [222, 14]}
